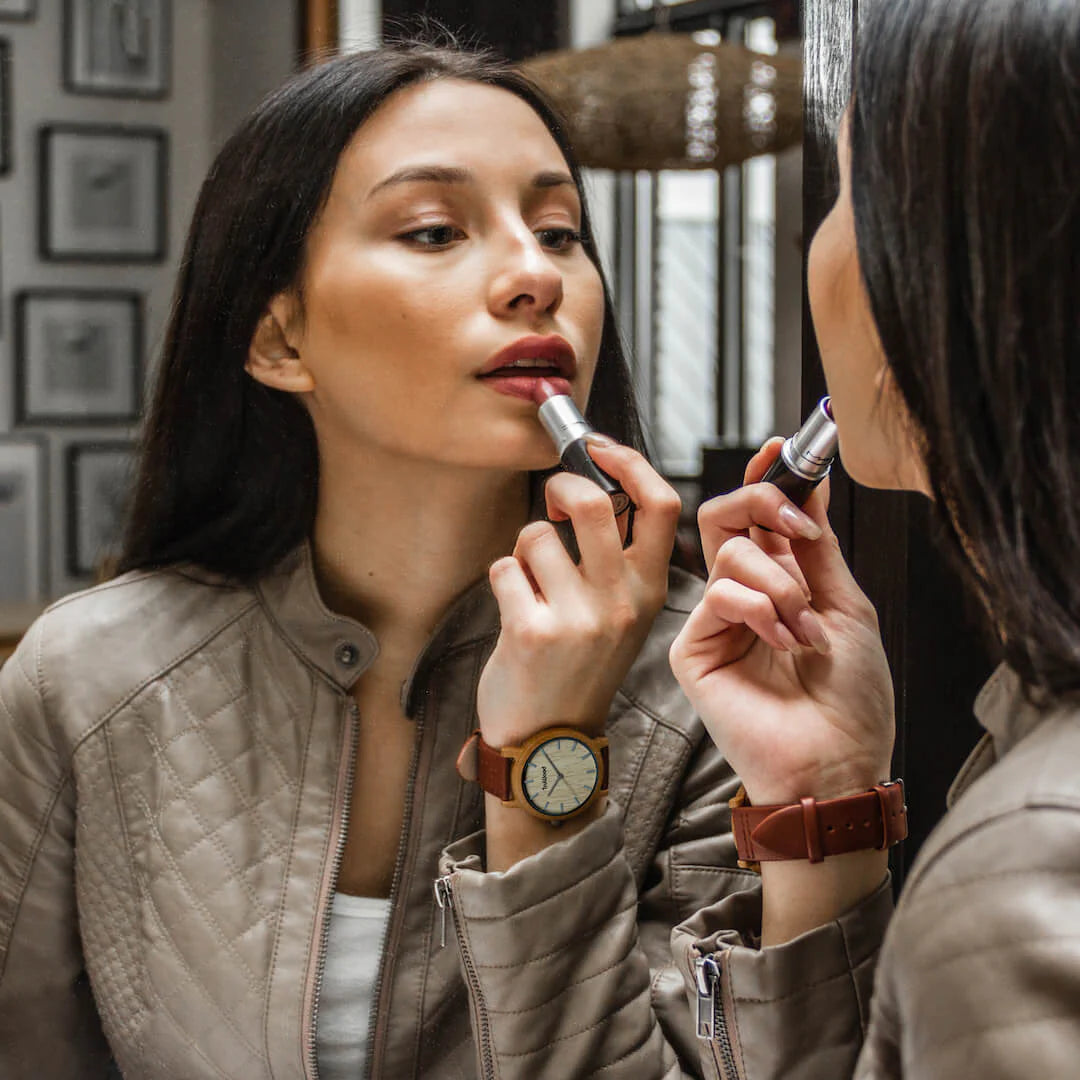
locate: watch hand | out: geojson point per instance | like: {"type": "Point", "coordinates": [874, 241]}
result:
{"type": "Point", "coordinates": [552, 763]}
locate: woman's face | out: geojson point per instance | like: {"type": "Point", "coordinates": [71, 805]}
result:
{"type": "Point", "coordinates": [875, 433]}
{"type": "Point", "coordinates": [450, 233]}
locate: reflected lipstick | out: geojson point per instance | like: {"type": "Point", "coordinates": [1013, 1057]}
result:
{"type": "Point", "coordinates": [567, 427]}
{"type": "Point", "coordinates": [806, 458]}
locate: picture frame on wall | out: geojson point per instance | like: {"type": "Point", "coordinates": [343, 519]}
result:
{"type": "Point", "coordinates": [119, 48]}
{"type": "Point", "coordinates": [99, 478]}
{"type": "Point", "coordinates": [102, 193]}
{"type": "Point", "coordinates": [23, 509]}
{"type": "Point", "coordinates": [78, 356]}
{"type": "Point", "coordinates": [5, 106]}
{"type": "Point", "coordinates": [18, 9]}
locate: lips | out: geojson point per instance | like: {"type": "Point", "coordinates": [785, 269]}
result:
{"type": "Point", "coordinates": [555, 351]}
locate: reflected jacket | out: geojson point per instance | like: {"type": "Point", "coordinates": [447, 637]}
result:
{"type": "Point", "coordinates": [176, 756]}
{"type": "Point", "coordinates": [979, 973]}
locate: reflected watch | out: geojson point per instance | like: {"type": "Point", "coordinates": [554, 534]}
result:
{"type": "Point", "coordinates": [553, 775]}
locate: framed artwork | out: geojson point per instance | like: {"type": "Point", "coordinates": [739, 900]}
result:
{"type": "Point", "coordinates": [78, 356]}
{"type": "Point", "coordinates": [98, 481]}
{"type": "Point", "coordinates": [5, 106]}
{"type": "Point", "coordinates": [18, 9]}
{"type": "Point", "coordinates": [102, 193]}
{"type": "Point", "coordinates": [23, 502]}
{"type": "Point", "coordinates": [117, 47]}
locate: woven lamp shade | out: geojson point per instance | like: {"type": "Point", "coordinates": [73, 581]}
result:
{"type": "Point", "coordinates": [663, 101]}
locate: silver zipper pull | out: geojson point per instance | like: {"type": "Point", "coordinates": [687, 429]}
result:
{"type": "Point", "coordinates": [707, 973]}
{"type": "Point", "coordinates": [442, 898]}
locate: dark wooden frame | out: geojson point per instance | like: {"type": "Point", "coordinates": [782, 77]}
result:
{"type": "Point", "coordinates": [46, 177]}
{"type": "Point", "coordinates": [72, 453]}
{"type": "Point", "coordinates": [23, 302]}
{"type": "Point", "coordinates": [72, 86]}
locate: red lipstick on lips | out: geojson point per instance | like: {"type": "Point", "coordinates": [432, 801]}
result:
{"type": "Point", "coordinates": [567, 427]}
{"type": "Point", "coordinates": [556, 357]}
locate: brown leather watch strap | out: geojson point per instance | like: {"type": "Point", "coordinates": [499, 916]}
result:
{"type": "Point", "coordinates": [813, 830]}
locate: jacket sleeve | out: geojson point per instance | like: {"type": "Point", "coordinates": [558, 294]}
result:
{"type": "Point", "coordinates": [797, 1011]}
{"type": "Point", "coordinates": [568, 959]}
{"type": "Point", "coordinates": [49, 1027]}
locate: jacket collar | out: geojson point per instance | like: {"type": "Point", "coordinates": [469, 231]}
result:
{"type": "Point", "coordinates": [341, 648]}
{"type": "Point", "coordinates": [1006, 711]}
{"type": "Point", "coordinates": [1009, 714]}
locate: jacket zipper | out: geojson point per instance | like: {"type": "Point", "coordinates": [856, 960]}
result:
{"type": "Point", "coordinates": [389, 932]}
{"type": "Point", "coordinates": [444, 897]}
{"type": "Point", "coordinates": [711, 1019]}
{"type": "Point", "coordinates": [353, 732]}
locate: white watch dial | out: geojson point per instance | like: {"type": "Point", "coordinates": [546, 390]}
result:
{"type": "Point", "coordinates": [560, 775]}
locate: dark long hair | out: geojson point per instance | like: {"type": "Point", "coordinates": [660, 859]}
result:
{"type": "Point", "coordinates": [228, 468]}
{"type": "Point", "coordinates": [965, 137]}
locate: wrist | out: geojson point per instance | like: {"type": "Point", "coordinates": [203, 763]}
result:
{"type": "Point", "coordinates": [822, 785]}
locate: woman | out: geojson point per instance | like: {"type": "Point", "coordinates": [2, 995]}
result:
{"type": "Point", "coordinates": [230, 811]}
{"type": "Point", "coordinates": [943, 287]}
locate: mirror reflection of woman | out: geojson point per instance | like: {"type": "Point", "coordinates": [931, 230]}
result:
{"type": "Point", "coordinates": [944, 287]}
{"type": "Point", "coordinates": [228, 775]}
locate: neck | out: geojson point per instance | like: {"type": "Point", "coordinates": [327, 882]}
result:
{"type": "Point", "coordinates": [395, 542]}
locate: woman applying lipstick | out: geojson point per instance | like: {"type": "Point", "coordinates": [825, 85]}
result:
{"type": "Point", "coordinates": [334, 750]}
{"type": "Point", "coordinates": [943, 288]}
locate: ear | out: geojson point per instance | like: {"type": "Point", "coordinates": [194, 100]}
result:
{"type": "Point", "coordinates": [272, 356]}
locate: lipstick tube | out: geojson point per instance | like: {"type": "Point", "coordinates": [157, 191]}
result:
{"type": "Point", "coordinates": [567, 427]}
{"type": "Point", "coordinates": [806, 458]}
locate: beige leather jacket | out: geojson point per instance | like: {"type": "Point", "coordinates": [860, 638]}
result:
{"type": "Point", "coordinates": [979, 975]}
{"type": "Point", "coordinates": [175, 763]}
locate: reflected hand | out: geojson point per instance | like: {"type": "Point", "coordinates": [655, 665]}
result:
{"type": "Point", "coordinates": [782, 658]}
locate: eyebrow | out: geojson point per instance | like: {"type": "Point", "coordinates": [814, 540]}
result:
{"type": "Point", "coordinates": [449, 174]}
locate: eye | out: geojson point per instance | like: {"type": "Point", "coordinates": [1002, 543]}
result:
{"type": "Point", "coordinates": [434, 236]}
{"type": "Point", "coordinates": [559, 239]}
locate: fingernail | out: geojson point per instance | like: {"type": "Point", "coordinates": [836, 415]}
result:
{"type": "Point", "coordinates": [597, 438]}
{"type": "Point", "coordinates": [812, 632]}
{"type": "Point", "coordinates": [787, 638]}
{"type": "Point", "coordinates": [799, 522]}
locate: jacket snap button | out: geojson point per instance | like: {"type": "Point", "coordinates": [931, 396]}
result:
{"type": "Point", "coordinates": [347, 654]}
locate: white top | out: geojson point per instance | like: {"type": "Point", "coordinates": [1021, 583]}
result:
{"type": "Point", "coordinates": [357, 925]}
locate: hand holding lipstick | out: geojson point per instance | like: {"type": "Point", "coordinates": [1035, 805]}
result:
{"type": "Point", "coordinates": [570, 632]}
{"type": "Point", "coordinates": [782, 658]}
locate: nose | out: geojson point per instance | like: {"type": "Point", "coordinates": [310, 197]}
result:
{"type": "Point", "coordinates": [527, 281]}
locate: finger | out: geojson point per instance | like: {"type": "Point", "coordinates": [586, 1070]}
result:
{"type": "Point", "coordinates": [759, 464]}
{"type": "Point", "coordinates": [512, 590]}
{"type": "Point", "coordinates": [827, 573]}
{"type": "Point", "coordinates": [728, 605]}
{"type": "Point", "coordinates": [658, 504]}
{"type": "Point", "coordinates": [741, 560]}
{"type": "Point", "coordinates": [734, 514]}
{"type": "Point", "coordinates": [593, 517]}
{"type": "Point", "coordinates": [541, 553]}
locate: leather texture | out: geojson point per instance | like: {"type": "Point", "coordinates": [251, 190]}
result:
{"type": "Point", "coordinates": [175, 758]}
{"type": "Point", "coordinates": [814, 830]}
{"type": "Point", "coordinates": [978, 971]}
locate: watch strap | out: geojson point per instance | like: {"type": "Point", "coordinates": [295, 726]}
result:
{"type": "Point", "coordinates": [809, 829]}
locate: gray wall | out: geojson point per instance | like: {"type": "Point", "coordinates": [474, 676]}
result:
{"type": "Point", "coordinates": [225, 55]}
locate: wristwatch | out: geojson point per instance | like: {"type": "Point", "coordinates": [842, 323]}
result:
{"type": "Point", "coordinates": [554, 775]}
{"type": "Point", "coordinates": [808, 829]}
